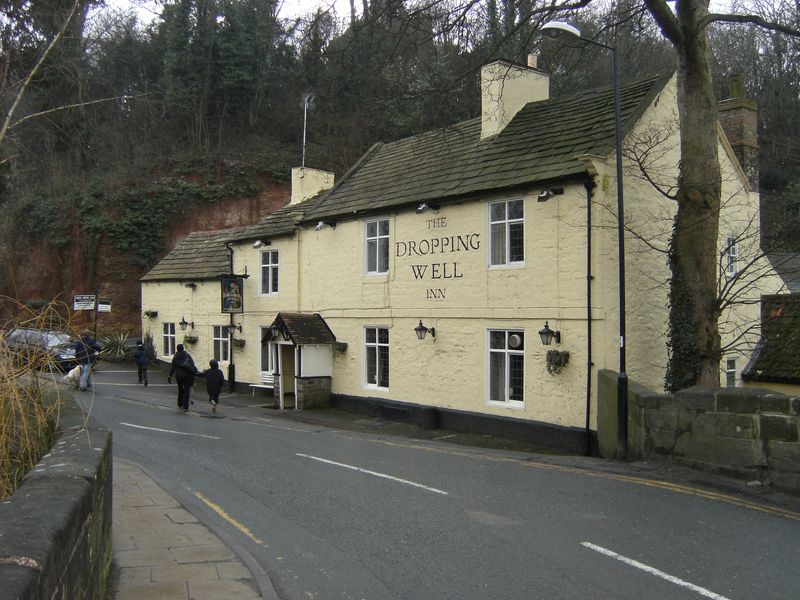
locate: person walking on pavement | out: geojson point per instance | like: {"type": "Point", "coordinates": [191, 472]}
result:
{"type": "Point", "coordinates": [184, 369]}
{"type": "Point", "coordinates": [214, 382]}
{"type": "Point", "coordinates": [140, 356]}
{"type": "Point", "coordinates": [86, 349]}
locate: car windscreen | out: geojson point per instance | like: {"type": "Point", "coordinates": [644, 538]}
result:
{"type": "Point", "coordinates": [55, 339]}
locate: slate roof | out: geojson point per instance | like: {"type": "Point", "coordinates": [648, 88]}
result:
{"type": "Point", "coordinates": [305, 328]}
{"type": "Point", "coordinates": [201, 255]}
{"type": "Point", "coordinates": [788, 267]}
{"type": "Point", "coordinates": [540, 144]}
{"type": "Point", "coordinates": [281, 222]}
{"type": "Point", "coordinates": [777, 358]}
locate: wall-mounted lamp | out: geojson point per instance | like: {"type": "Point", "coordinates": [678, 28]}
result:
{"type": "Point", "coordinates": [151, 314]}
{"type": "Point", "coordinates": [191, 284]}
{"type": "Point", "coordinates": [545, 195]}
{"type": "Point", "coordinates": [259, 243]}
{"type": "Point", "coordinates": [324, 224]}
{"type": "Point", "coordinates": [229, 329]}
{"type": "Point", "coordinates": [184, 324]}
{"type": "Point", "coordinates": [421, 330]}
{"type": "Point", "coordinates": [425, 206]}
{"type": "Point", "coordinates": [548, 335]}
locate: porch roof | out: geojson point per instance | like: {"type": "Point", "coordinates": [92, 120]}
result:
{"type": "Point", "coordinates": [305, 328]}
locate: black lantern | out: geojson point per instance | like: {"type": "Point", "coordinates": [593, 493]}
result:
{"type": "Point", "coordinates": [548, 335]}
{"type": "Point", "coordinates": [421, 330]}
{"type": "Point", "coordinates": [184, 324]}
{"type": "Point", "coordinates": [229, 329]}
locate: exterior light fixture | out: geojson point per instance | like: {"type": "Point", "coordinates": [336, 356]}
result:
{"type": "Point", "coordinates": [545, 195]}
{"type": "Point", "coordinates": [555, 29]}
{"type": "Point", "coordinates": [323, 224]}
{"type": "Point", "coordinates": [425, 206]}
{"type": "Point", "coordinates": [258, 244]}
{"type": "Point", "coordinates": [231, 328]}
{"type": "Point", "coordinates": [421, 330]}
{"type": "Point", "coordinates": [548, 335]}
{"type": "Point", "coordinates": [191, 284]}
{"type": "Point", "coordinates": [184, 324]}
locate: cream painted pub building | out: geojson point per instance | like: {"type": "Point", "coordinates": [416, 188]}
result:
{"type": "Point", "coordinates": [418, 284]}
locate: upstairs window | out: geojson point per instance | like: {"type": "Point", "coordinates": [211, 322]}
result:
{"type": "Point", "coordinates": [269, 272]}
{"type": "Point", "coordinates": [168, 337]}
{"type": "Point", "coordinates": [732, 257]}
{"type": "Point", "coordinates": [506, 233]}
{"type": "Point", "coordinates": [377, 246]}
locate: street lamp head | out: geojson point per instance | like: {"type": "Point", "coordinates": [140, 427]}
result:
{"type": "Point", "coordinates": [557, 29]}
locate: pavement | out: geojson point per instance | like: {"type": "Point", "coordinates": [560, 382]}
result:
{"type": "Point", "coordinates": [164, 552]}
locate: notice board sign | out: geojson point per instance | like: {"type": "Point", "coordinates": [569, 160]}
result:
{"type": "Point", "coordinates": [104, 306]}
{"type": "Point", "coordinates": [83, 302]}
{"type": "Point", "coordinates": [232, 291]}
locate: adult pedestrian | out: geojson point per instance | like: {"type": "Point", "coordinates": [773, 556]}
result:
{"type": "Point", "coordinates": [215, 379]}
{"type": "Point", "coordinates": [86, 349]}
{"type": "Point", "coordinates": [140, 356]}
{"type": "Point", "coordinates": [184, 369]}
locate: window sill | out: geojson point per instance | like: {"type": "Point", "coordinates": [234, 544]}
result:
{"type": "Point", "coordinates": [511, 404]}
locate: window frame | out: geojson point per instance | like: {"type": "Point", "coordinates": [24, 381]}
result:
{"type": "Point", "coordinates": [731, 256]}
{"type": "Point", "coordinates": [273, 270]}
{"type": "Point", "coordinates": [731, 372]}
{"type": "Point", "coordinates": [378, 239]}
{"type": "Point", "coordinates": [506, 352]}
{"type": "Point", "coordinates": [169, 338]}
{"type": "Point", "coordinates": [507, 224]}
{"type": "Point", "coordinates": [376, 347]}
{"type": "Point", "coordinates": [220, 343]}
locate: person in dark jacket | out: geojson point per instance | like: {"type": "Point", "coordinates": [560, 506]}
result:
{"type": "Point", "coordinates": [86, 349]}
{"type": "Point", "coordinates": [214, 382]}
{"type": "Point", "coordinates": [140, 356]}
{"type": "Point", "coordinates": [184, 370]}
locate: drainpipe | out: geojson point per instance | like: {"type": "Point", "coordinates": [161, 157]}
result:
{"type": "Point", "coordinates": [231, 366]}
{"type": "Point", "coordinates": [589, 185]}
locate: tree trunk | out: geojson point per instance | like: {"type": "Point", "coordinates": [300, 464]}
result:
{"type": "Point", "coordinates": [694, 333]}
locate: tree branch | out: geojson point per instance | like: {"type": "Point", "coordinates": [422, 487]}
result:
{"type": "Point", "coordinates": [753, 20]}
{"type": "Point", "coordinates": [665, 19]}
{"type": "Point", "coordinates": [10, 115]}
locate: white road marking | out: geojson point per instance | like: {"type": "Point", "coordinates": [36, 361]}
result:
{"type": "Point", "coordinates": [653, 571]}
{"type": "Point", "coordinates": [375, 473]}
{"type": "Point", "coordinates": [211, 437]}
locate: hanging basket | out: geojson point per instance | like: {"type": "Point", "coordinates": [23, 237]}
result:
{"type": "Point", "coordinates": [190, 339]}
{"type": "Point", "coordinates": [556, 360]}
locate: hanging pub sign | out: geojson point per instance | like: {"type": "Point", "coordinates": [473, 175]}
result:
{"type": "Point", "coordinates": [232, 289]}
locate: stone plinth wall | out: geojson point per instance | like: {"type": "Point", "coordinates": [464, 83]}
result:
{"type": "Point", "coordinates": [313, 392]}
{"type": "Point", "coordinates": [746, 432]}
{"type": "Point", "coordinates": [55, 531]}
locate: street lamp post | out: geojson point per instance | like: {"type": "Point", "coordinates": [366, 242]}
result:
{"type": "Point", "coordinates": [556, 29]}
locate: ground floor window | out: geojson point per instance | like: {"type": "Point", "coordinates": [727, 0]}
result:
{"type": "Point", "coordinates": [506, 366]}
{"type": "Point", "coordinates": [168, 338]}
{"type": "Point", "coordinates": [221, 343]}
{"type": "Point", "coordinates": [730, 372]}
{"type": "Point", "coordinates": [376, 346]}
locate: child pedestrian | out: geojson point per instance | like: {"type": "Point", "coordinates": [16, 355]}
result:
{"type": "Point", "coordinates": [141, 361]}
{"type": "Point", "coordinates": [214, 381]}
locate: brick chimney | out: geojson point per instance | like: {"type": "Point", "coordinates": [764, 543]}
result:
{"type": "Point", "coordinates": [307, 183]}
{"type": "Point", "coordinates": [739, 119]}
{"type": "Point", "coordinates": [505, 89]}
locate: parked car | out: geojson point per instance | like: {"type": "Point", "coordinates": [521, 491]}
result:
{"type": "Point", "coordinates": [44, 348]}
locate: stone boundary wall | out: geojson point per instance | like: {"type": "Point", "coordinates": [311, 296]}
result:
{"type": "Point", "coordinates": [55, 530]}
{"type": "Point", "coordinates": [750, 433]}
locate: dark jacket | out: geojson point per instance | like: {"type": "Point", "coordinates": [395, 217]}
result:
{"type": "Point", "coordinates": [183, 366]}
{"type": "Point", "coordinates": [214, 380]}
{"type": "Point", "coordinates": [140, 356]}
{"type": "Point", "coordinates": [86, 349]}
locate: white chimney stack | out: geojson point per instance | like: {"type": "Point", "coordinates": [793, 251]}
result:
{"type": "Point", "coordinates": [307, 183]}
{"type": "Point", "coordinates": [505, 89]}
